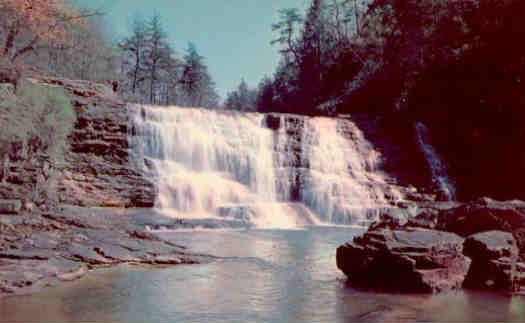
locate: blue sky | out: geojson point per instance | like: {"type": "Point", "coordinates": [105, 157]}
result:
{"type": "Point", "coordinates": [233, 35]}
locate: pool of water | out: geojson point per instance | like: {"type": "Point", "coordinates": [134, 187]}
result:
{"type": "Point", "coordinates": [262, 276]}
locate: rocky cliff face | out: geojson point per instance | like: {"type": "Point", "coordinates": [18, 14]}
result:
{"type": "Point", "coordinates": [43, 240]}
{"type": "Point", "coordinates": [98, 171]}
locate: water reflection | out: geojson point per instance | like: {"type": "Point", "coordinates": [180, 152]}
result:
{"type": "Point", "coordinates": [266, 276]}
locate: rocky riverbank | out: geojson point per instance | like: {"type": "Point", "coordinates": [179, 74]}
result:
{"type": "Point", "coordinates": [478, 245]}
{"type": "Point", "coordinates": [42, 249]}
{"type": "Point", "coordinates": [58, 220]}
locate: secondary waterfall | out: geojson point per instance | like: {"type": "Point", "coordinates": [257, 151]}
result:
{"type": "Point", "coordinates": [261, 170]}
{"type": "Point", "coordinates": [437, 166]}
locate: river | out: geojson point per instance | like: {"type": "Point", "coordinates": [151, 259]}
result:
{"type": "Point", "coordinates": [261, 276]}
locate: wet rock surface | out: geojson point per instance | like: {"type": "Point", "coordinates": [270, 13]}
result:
{"type": "Point", "coordinates": [42, 249]}
{"type": "Point", "coordinates": [409, 261]}
{"type": "Point", "coordinates": [495, 263]}
{"type": "Point", "coordinates": [463, 219]}
{"type": "Point", "coordinates": [97, 169]}
{"type": "Point", "coordinates": [489, 233]}
{"type": "Point", "coordinates": [57, 222]}
{"type": "Point", "coordinates": [483, 215]}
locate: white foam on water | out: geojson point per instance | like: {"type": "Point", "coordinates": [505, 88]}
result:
{"type": "Point", "coordinates": [437, 165]}
{"type": "Point", "coordinates": [211, 164]}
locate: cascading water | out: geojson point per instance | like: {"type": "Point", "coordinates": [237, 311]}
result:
{"type": "Point", "coordinates": [261, 170]}
{"type": "Point", "coordinates": [437, 166]}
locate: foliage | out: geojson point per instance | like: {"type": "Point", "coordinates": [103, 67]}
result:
{"type": "Point", "coordinates": [242, 99]}
{"type": "Point", "coordinates": [36, 113]}
{"type": "Point", "coordinates": [50, 37]}
{"type": "Point", "coordinates": [197, 85]}
{"type": "Point", "coordinates": [457, 66]}
{"type": "Point", "coordinates": [319, 56]}
{"type": "Point", "coordinates": [53, 38]}
{"type": "Point", "coordinates": [346, 51]}
{"type": "Point", "coordinates": [25, 24]}
{"type": "Point", "coordinates": [154, 74]}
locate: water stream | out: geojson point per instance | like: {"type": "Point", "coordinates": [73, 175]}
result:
{"type": "Point", "coordinates": [264, 276]}
{"type": "Point", "coordinates": [268, 171]}
{"type": "Point", "coordinates": [438, 167]}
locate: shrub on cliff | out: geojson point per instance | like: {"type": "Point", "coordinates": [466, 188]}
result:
{"type": "Point", "coordinates": [37, 114]}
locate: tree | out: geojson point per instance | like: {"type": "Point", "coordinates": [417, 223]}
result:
{"type": "Point", "coordinates": [197, 84]}
{"type": "Point", "coordinates": [311, 54]}
{"type": "Point", "coordinates": [134, 48]}
{"type": "Point", "coordinates": [24, 24]}
{"type": "Point", "coordinates": [171, 80]}
{"type": "Point", "coordinates": [157, 54]}
{"type": "Point", "coordinates": [242, 99]}
{"type": "Point", "coordinates": [286, 26]}
{"type": "Point", "coordinates": [87, 56]}
{"type": "Point", "coordinates": [265, 95]}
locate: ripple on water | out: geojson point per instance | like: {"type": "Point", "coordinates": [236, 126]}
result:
{"type": "Point", "coordinates": [265, 276]}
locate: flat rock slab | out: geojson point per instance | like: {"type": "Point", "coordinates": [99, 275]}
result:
{"type": "Point", "coordinates": [407, 261]}
{"type": "Point", "coordinates": [88, 254]}
{"type": "Point", "coordinates": [38, 250]}
{"type": "Point", "coordinates": [116, 253]}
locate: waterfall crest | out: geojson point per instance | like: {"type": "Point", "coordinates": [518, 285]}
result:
{"type": "Point", "coordinates": [262, 170]}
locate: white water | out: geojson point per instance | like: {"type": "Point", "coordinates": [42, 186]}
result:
{"type": "Point", "coordinates": [224, 165]}
{"type": "Point", "coordinates": [437, 165]}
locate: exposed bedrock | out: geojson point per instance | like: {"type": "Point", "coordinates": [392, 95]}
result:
{"type": "Point", "coordinates": [96, 171]}
{"type": "Point", "coordinates": [99, 171]}
{"type": "Point", "coordinates": [484, 238]}
{"type": "Point", "coordinates": [408, 261]}
{"type": "Point", "coordinates": [38, 250]}
{"type": "Point", "coordinates": [495, 264]}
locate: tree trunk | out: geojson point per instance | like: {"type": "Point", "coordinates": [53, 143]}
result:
{"type": "Point", "coordinates": [26, 49]}
{"type": "Point", "coordinates": [152, 84]}
{"type": "Point", "coordinates": [356, 12]}
{"type": "Point", "coordinates": [10, 39]}
{"type": "Point", "coordinates": [136, 71]}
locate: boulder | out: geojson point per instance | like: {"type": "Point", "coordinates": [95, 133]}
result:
{"type": "Point", "coordinates": [495, 264]}
{"type": "Point", "coordinates": [407, 261]}
{"type": "Point", "coordinates": [10, 206]}
{"type": "Point", "coordinates": [483, 215]}
{"type": "Point", "coordinates": [463, 219]}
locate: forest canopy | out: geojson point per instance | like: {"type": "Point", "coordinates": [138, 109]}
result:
{"type": "Point", "coordinates": [52, 37]}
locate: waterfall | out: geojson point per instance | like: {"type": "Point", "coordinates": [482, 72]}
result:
{"type": "Point", "coordinates": [437, 165]}
{"type": "Point", "coordinates": [262, 170]}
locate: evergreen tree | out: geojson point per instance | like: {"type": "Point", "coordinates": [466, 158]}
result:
{"type": "Point", "coordinates": [157, 55]}
{"type": "Point", "coordinates": [265, 95]}
{"type": "Point", "coordinates": [197, 84]}
{"type": "Point", "coordinates": [134, 48]}
{"type": "Point", "coordinates": [287, 27]}
{"type": "Point", "coordinates": [242, 99]}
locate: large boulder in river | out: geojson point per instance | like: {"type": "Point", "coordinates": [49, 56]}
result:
{"type": "Point", "coordinates": [495, 262]}
{"type": "Point", "coordinates": [406, 261]}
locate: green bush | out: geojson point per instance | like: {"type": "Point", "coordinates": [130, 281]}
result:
{"type": "Point", "coordinates": [36, 112]}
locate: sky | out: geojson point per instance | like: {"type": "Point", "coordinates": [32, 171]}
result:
{"type": "Point", "coordinates": [233, 35]}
